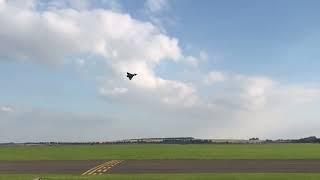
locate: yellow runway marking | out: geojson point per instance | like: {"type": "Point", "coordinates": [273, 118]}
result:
{"type": "Point", "coordinates": [105, 164]}
{"type": "Point", "coordinates": [94, 168]}
{"type": "Point", "coordinates": [104, 167]}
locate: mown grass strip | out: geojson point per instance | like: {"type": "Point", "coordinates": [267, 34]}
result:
{"type": "Point", "coordinates": [162, 151]}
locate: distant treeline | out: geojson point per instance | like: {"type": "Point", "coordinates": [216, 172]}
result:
{"type": "Point", "coordinates": [311, 139]}
{"type": "Point", "coordinates": [177, 140]}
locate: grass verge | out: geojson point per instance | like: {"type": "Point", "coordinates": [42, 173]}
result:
{"type": "Point", "coordinates": [162, 151]}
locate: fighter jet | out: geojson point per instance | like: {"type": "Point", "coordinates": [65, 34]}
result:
{"type": "Point", "coordinates": [130, 76]}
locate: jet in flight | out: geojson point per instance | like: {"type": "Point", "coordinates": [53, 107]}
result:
{"type": "Point", "coordinates": [130, 76]}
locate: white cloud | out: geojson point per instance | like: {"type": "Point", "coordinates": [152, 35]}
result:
{"type": "Point", "coordinates": [112, 4]}
{"type": "Point", "coordinates": [214, 77]}
{"type": "Point", "coordinates": [264, 92]}
{"type": "Point", "coordinates": [192, 61]}
{"type": "Point", "coordinates": [203, 55]}
{"type": "Point", "coordinates": [234, 106]}
{"type": "Point", "coordinates": [133, 46]}
{"type": "Point", "coordinates": [179, 93]}
{"type": "Point", "coordinates": [154, 11]}
{"type": "Point", "coordinates": [255, 90]}
{"type": "Point", "coordinates": [260, 106]}
{"type": "Point", "coordinates": [66, 32]}
{"type": "Point", "coordinates": [27, 4]}
{"type": "Point", "coordinates": [59, 4]}
{"type": "Point", "coordinates": [113, 92]}
{"type": "Point", "coordinates": [300, 94]}
{"type": "Point", "coordinates": [156, 5]}
{"type": "Point", "coordinates": [6, 109]}
{"type": "Point", "coordinates": [80, 62]}
{"type": "Point", "coordinates": [79, 4]}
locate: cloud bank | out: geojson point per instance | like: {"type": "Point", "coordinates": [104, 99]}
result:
{"type": "Point", "coordinates": [219, 104]}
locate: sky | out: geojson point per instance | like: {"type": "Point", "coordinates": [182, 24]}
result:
{"type": "Point", "coordinates": [206, 69]}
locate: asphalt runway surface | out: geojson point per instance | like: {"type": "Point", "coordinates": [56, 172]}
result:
{"type": "Point", "coordinates": [68, 167]}
{"type": "Point", "coordinates": [217, 166]}
{"type": "Point", "coordinates": [98, 167]}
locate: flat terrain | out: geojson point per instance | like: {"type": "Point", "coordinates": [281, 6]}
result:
{"type": "Point", "coordinates": [161, 166]}
{"type": "Point", "coordinates": [162, 151]}
{"type": "Point", "coordinates": [241, 162]}
{"type": "Point", "coordinates": [218, 166]}
{"type": "Point", "coordinates": [201, 176]}
{"type": "Point", "coordinates": [58, 167]}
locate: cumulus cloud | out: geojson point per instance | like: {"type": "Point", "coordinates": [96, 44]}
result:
{"type": "Point", "coordinates": [58, 4]}
{"type": "Point", "coordinates": [237, 91]}
{"type": "Point", "coordinates": [112, 4]}
{"type": "Point", "coordinates": [192, 61]}
{"type": "Point", "coordinates": [112, 92]}
{"type": "Point", "coordinates": [6, 109]}
{"type": "Point", "coordinates": [260, 106]}
{"type": "Point", "coordinates": [169, 107]}
{"type": "Point", "coordinates": [67, 31]}
{"type": "Point", "coordinates": [262, 91]}
{"type": "Point", "coordinates": [161, 93]}
{"type": "Point", "coordinates": [156, 5]}
{"type": "Point", "coordinates": [254, 90]}
{"type": "Point", "coordinates": [133, 45]}
{"type": "Point", "coordinates": [214, 77]}
{"type": "Point", "coordinates": [80, 62]}
{"type": "Point", "coordinates": [204, 55]}
{"type": "Point", "coordinates": [155, 10]}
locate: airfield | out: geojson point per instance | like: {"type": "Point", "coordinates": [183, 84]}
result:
{"type": "Point", "coordinates": [162, 161]}
{"type": "Point", "coordinates": [99, 167]}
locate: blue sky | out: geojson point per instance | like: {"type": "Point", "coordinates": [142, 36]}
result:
{"type": "Point", "coordinates": [213, 66]}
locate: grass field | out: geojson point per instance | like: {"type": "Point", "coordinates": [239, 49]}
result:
{"type": "Point", "coordinates": [228, 151]}
{"type": "Point", "coordinates": [172, 176]}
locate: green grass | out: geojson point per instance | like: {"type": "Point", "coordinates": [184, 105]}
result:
{"type": "Point", "coordinates": [228, 151]}
{"type": "Point", "coordinates": [172, 176]}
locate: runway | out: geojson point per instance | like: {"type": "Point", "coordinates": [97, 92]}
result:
{"type": "Point", "coordinates": [99, 167]}
{"type": "Point", "coordinates": [63, 167]}
{"type": "Point", "coordinates": [218, 166]}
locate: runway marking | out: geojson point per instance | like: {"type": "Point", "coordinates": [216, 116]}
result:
{"type": "Point", "coordinates": [94, 168]}
{"type": "Point", "coordinates": [102, 168]}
